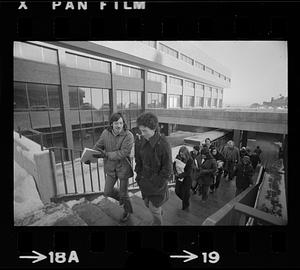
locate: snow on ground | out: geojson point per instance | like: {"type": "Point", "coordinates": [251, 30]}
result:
{"type": "Point", "coordinates": [74, 202]}
{"type": "Point", "coordinates": [26, 197]}
{"type": "Point", "coordinates": [98, 199]}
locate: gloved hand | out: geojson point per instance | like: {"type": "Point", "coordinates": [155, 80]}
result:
{"type": "Point", "coordinates": [87, 162]}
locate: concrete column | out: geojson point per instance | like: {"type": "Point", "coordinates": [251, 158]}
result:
{"type": "Point", "coordinates": [113, 96]}
{"type": "Point", "coordinates": [244, 138]}
{"type": "Point", "coordinates": [145, 98]}
{"type": "Point", "coordinates": [236, 137]}
{"type": "Point", "coordinates": [64, 97]}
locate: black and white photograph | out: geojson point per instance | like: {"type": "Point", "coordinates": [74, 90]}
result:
{"type": "Point", "coordinates": [150, 133]}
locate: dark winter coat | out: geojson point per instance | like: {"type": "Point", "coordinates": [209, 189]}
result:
{"type": "Point", "coordinates": [187, 174]}
{"type": "Point", "coordinates": [208, 170]}
{"type": "Point", "coordinates": [255, 159]}
{"type": "Point", "coordinates": [218, 157]}
{"type": "Point", "coordinates": [118, 149]}
{"type": "Point", "coordinates": [244, 173]}
{"type": "Point", "coordinates": [153, 167]}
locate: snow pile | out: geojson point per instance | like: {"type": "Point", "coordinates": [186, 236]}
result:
{"type": "Point", "coordinates": [72, 203]}
{"type": "Point", "coordinates": [26, 197]}
{"type": "Point", "coordinates": [47, 216]}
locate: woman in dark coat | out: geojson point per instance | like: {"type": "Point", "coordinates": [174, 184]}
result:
{"type": "Point", "coordinates": [244, 172]}
{"type": "Point", "coordinates": [195, 154]}
{"type": "Point", "coordinates": [208, 169]}
{"type": "Point", "coordinates": [220, 162]}
{"type": "Point", "coordinates": [184, 179]}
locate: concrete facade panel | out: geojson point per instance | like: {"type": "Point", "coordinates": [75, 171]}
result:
{"type": "Point", "coordinates": [127, 83]}
{"type": "Point", "coordinates": [85, 78]}
{"type": "Point", "coordinates": [30, 71]}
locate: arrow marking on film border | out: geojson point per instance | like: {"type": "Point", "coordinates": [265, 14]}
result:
{"type": "Point", "coordinates": [188, 257]}
{"type": "Point", "coordinates": [37, 258]}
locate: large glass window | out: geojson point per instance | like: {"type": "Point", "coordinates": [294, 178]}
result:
{"type": "Point", "coordinates": [199, 102]}
{"type": "Point", "coordinates": [37, 106]}
{"type": "Point", "coordinates": [215, 102]}
{"type": "Point", "coordinates": [87, 63]}
{"type": "Point", "coordinates": [129, 103]}
{"type": "Point", "coordinates": [20, 96]}
{"type": "Point", "coordinates": [37, 96]}
{"type": "Point", "coordinates": [175, 81]}
{"type": "Point", "coordinates": [128, 71]}
{"type": "Point", "coordinates": [200, 90]}
{"type": "Point", "coordinates": [188, 101]}
{"type": "Point", "coordinates": [189, 84]}
{"type": "Point", "coordinates": [156, 100]}
{"type": "Point", "coordinates": [156, 77]}
{"type": "Point", "coordinates": [174, 101]}
{"type": "Point", "coordinates": [53, 96]}
{"type": "Point", "coordinates": [35, 53]}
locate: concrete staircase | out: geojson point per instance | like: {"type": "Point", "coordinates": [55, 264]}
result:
{"type": "Point", "coordinates": [102, 211]}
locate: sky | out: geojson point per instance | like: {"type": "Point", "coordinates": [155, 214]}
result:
{"type": "Point", "coordinates": [258, 69]}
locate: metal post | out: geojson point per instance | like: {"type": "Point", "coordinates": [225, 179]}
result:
{"type": "Point", "coordinates": [73, 170]}
{"type": "Point", "coordinates": [82, 173]}
{"type": "Point", "coordinates": [63, 170]}
{"type": "Point", "coordinates": [53, 172]}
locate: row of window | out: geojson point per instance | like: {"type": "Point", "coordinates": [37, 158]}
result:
{"type": "Point", "coordinates": [189, 60]}
{"type": "Point", "coordinates": [35, 96]}
{"type": "Point", "coordinates": [188, 102]}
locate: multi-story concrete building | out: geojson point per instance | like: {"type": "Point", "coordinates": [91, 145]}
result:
{"type": "Point", "coordinates": [68, 89]}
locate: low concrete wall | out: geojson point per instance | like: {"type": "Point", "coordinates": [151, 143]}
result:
{"type": "Point", "coordinates": [37, 163]}
{"type": "Point", "coordinates": [271, 122]}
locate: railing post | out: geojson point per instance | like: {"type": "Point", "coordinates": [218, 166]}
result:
{"type": "Point", "coordinates": [52, 162]}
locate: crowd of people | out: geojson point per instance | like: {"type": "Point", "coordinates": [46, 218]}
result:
{"type": "Point", "coordinates": [203, 168]}
{"type": "Point", "coordinates": [199, 171]}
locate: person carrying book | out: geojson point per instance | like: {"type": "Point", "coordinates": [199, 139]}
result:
{"type": "Point", "coordinates": [116, 143]}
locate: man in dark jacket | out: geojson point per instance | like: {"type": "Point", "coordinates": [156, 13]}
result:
{"type": "Point", "coordinates": [244, 173]}
{"type": "Point", "coordinates": [208, 169]}
{"type": "Point", "coordinates": [232, 157]}
{"type": "Point", "coordinates": [153, 165]}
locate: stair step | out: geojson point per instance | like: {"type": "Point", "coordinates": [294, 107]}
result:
{"type": "Point", "coordinates": [93, 215]}
{"type": "Point", "coordinates": [112, 208]}
{"type": "Point", "coordinates": [71, 220]}
{"type": "Point", "coordinates": [141, 211]}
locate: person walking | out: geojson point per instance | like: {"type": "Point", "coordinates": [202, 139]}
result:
{"type": "Point", "coordinates": [208, 168]}
{"type": "Point", "coordinates": [196, 156]}
{"type": "Point", "coordinates": [220, 162]}
{"type": "Point", "coordinates": [232, 158]}
{"type": "Point", "coordinates": [255, 160]}
{"type": "Point", "coordinates": [183, 166]}
{"type": "Point", "coordinates": [153, 165]}
{"type": "Point", "coordinates": [116, 143]}
{"type": "Point", "coordinates": [244, 172]}
{"type": "Point", "coordinates": [258, 150]}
